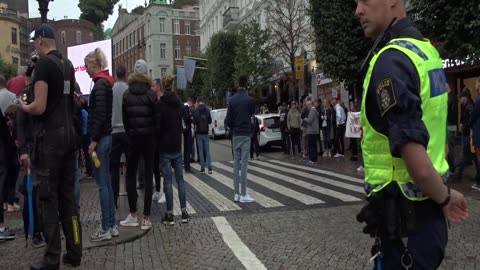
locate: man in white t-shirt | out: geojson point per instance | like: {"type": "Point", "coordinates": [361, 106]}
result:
{"type": "Point", "coordinates": [7, 98]}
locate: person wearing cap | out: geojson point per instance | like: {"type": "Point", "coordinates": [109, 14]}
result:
{"type": "Point", "coordinates": [138, 109]}
{"type": "Point", "coordinates": [100, 128]}
{"type": "Point", "coordinates": [53, 154]}
{"type": "Point", "coordinates": [467, 106]}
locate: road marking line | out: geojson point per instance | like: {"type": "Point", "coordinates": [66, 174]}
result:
{"type": "Point", "coordinates": [259, 198]}
{"type": "Point", "coordinates": [217, 199]}
{"type": "Point", "coordinates": [233, 241]}
{"type": "Point", "coordinates": [306, 199]}
{"type": "Point", "coordinates": [176, 204]}
{"type": "Point", "coordinates": [313, 177]}
{"type": "Point", "coordinates": [345, 177]}
{"type": "Point", "coordinates": [291, 180]}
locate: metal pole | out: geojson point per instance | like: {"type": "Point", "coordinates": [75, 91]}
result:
{"type": "Point", "coordinates": [43, 8]}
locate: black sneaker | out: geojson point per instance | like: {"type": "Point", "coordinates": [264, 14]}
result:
{"type": "Point", "coordinates": [168, 219]}
{"type": "Point", "coordinates": [38, 242]}
{"type": "Point", "coordinates": [202, 170]}
{"type": "Point", "coordinates": [210, 171]}
{"type": "Point", "coordinates": [70, 261]}
{"type": "Point", "coordinates": [185, 217]}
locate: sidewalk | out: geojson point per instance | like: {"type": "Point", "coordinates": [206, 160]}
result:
{"type": "Point", "coordinates": [90, 216]}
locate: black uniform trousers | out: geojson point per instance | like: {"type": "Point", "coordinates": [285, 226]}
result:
{"type": "Point", "coordinates": [120, 143]}
{"type": "Point", "coordinates": [54, 171]}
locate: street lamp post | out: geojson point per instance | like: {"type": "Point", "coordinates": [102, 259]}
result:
{"type": "Point", "coordinates": [43, 8]}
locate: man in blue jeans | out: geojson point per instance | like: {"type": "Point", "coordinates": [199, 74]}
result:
{"type": "Point", "coordinates": [240, 109]}
{"type": "Point", "coordinates": [202, 119]}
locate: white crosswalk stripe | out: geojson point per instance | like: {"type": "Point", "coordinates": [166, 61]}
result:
{"type": "Point", "coordinates": [312, 177]}
{"type": "Point", "coordinates": [259, 198]}
{"type": "Point", "coordinates": [176, 204]}
{"type": "Point", "coordinates": [291, 180]}
{"type": "Point", "coordinates": [306, 199]}
{"type": "Point", "coordinates": [217, 199]}
{"type": "Point", "coordinates": [345, 177]}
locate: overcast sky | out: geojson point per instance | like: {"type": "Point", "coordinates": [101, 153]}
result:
{"type": "Point", "coordinates": [61, 8]}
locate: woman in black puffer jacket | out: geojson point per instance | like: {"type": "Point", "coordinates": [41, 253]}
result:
{"type": "Point", "coordinates": [139, 121]}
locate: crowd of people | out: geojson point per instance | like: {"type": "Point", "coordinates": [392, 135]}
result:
{"type": "Point", "coordinates": [316, 128]}
{"type": "Point", "coordinates": [49, 128]}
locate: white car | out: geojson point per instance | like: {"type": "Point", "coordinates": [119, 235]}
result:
{"type": "Point", "coordinates": [269, 129]}
{"type": "Point", "coordinates": [217, 127]}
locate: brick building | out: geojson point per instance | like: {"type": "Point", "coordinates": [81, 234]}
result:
{"type": "Point", "coordinates": [68, 32]}
{"type": "Point", "coordinates": [162, 36]}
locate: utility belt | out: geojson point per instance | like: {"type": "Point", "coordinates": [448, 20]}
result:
{"type": "Point", "coordinates": [388, 214]}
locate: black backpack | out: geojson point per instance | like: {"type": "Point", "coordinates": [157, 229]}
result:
{"type": "Point", "coordinates": [202, 126]}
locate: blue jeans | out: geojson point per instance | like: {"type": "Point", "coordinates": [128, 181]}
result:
{"type": "Point", "coordinates": [241, 149]}
{"type": "Point", "coordinates": [467, 158]}
{"type": "Point", "coordinates": [169, 160]}
{"type": "Point", "coordinates": [204, 145]}
{"type": "Point", "coordinates": [104, 182]}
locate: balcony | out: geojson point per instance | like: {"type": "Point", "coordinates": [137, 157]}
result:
{"type": "Point", "coordinates": [230, 18]}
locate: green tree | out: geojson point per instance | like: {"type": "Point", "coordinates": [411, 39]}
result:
{"type": "Point", "coordinates": [220, 67]}
{"type": "Point", "coordinates": [453, 24]}
{"type": "Point", "coordinates": [138, 10]}
{"type": "Point", "coordinates": [96, 11]}
{"type": "Point", "coordinates": [8, 70]}
{"type": "Point", "coordinates": [341, 45]}
{"type": "Point", "coordinates": [289, 31]}
{"type": "Point", "coordinates": [253, 56]}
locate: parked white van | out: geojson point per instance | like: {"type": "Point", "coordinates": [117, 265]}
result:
{"type": "Point", "coordinates": [217, 127]}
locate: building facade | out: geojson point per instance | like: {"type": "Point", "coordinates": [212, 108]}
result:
{"type": "Point", "coordinates": [68, 32]}
{"type": "Point", "coordinates": [18, 5]}
{"type": "Point", "coordinates": [227, 15]}
{"type": "Point", "coordinates": [161, 36]}
{"type": "Point", "coordinates": [14, 25]}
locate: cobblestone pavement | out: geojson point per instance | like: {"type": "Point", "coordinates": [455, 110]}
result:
{"type": "Point", "coordinates": [304, 218]}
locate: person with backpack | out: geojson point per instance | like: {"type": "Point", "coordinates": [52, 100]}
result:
{"type": "Point", "coordinates": [202, 119]}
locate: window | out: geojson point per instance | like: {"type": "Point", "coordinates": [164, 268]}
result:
{"type": "Point", "coordinates": [162, 25]}
{"type": "Point", "coordinates": [188, 49]}
{"type": "Point", "coordinates": [134, 37]}
{"type": "Point", "coordinates": [187, 27]}
{"type": "Point", "coordinates": [64, 37]}
{"type": "Point", "coordinates": [91, 36]}
{"type": "Point", "coordinates": [15, 60]}
{"type": "Point", "coordinates": [163, 51]}
{"type": "Point", "coordinates": [14, 36]}
{"type": "Point", "coordinates": [176, 27]}
{"type": "Point", "coordinates": [163, 71]}
{"type": "Point", "coordinates": [79, 37]}
{"type": "Point", "coordinates": [177, 52]}
{"type": "Point", "coordinates": [130, 39]}
{"type": "Point", "coordinates": [149, 52]}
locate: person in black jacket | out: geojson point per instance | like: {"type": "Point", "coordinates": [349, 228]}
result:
{"type": "Point", "coordinates": [188, 150]}
{"type": "Point", "coordinates": [202, 119]}
{"type": "Point", "coordinates": [170, 110]}
{"type": "Point", "coordinates": [100, 128]}
{"type": "Point", "coordinates": [139, 121]}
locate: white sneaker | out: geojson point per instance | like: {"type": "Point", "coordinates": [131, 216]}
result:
{"type": "Point", "coordinates": [236, 198]}
{"type": "Point", "coordinates": [360, 169]}
{"type": "Point", "coordinates": [162, 198]}
{"type": "Point", "coordinates": [114, 231]}
{"type": "Point", "coordinates": [130, 221]}
{"type": "Point", "coordinates": [13, 207]}
{"type": "Point", "coordinates": [101, 235]}
{"type": "Point", "coordinates": [246, 199]}
{"type": "Point", "coordinates": [146, 224]}
{"type": "Point", "coordinates": [156, 196]}
{"type": "Point", "coordinates": [338, 156]}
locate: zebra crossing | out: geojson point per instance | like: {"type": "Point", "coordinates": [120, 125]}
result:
{"type": "Point", "coordinates": [274, 184]}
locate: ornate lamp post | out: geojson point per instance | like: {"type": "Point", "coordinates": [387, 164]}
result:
{"type": "Point", "coordinates": [43, 8]}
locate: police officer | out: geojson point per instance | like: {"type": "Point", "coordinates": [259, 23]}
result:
{"type": "Point", "coordinates": [404, 110]}
{"type": "Point", "coordinates": [53, 154]}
